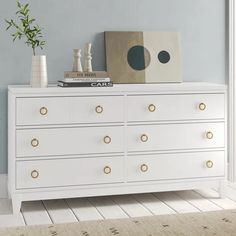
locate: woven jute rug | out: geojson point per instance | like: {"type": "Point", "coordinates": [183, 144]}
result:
{"type": "Point", "coordinates": [212, 223]}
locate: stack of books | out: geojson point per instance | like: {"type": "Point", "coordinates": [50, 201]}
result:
{"type": "Point", "coordinates": [85, 79]}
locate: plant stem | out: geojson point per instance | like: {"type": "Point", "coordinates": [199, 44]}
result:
{"type": "Point", "coordinates": [26, 28]}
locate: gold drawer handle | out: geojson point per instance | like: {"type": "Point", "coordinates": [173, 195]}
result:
{"type": "Point", "coordinates": [107, 170]}
{"type": "Point", "coordinates": [99, 109]}
{"type": "Point", "coordinates": [34, 174]}
{"type": "Point", "coordinates": [202, 106]}
{"type": "Point", "coordinates": [34, 142]}
{"type": "Point", "coordinates": [209, 164]}
{"type": "Point", "coordinates": [209, 135]}
{"type": "Point", "coordinates": [43, 111]}
{"type": "Point", "coordinates": [107, 139]}
{"type": "Point", "coordinates": [144, 168]}
{"type": "Point", "coordinates": [151, 107]}
{"type": "Point", "coordinates": [144, 138]}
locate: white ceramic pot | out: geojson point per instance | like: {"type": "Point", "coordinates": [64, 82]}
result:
{"type": "Point", "coordinates": [39, 77]}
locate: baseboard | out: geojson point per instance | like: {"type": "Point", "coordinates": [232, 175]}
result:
{"type": "Point", "coordinates": [3, 186]}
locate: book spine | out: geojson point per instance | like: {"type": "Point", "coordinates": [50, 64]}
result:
{"type": "Point", "coordinates": [84, 80]}
{"type": "Point", "coordinates": [95, 74]}
{"type": "Point", "coordinates": [88, 84]}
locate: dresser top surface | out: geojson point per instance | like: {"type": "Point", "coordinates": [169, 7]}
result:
{"type": "Point", "coordinates": [184, 87]}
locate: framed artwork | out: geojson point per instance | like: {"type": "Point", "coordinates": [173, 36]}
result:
{"type": "Point", "coordinates": [143, 57]}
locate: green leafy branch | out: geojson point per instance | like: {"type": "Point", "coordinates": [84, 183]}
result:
{"type": "Point", "coordinates": [26, 28]}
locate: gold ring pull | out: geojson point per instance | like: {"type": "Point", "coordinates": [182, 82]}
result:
{"type": "Point", "coordinates": [144, 138]}
{"type": "Point", "coordinates": [151, 107]}
{"type": "Point", "coordinates": [99, 109]}
{"type": "Point", "coordinates": [34, 174]}
{"type": "Point", "coordinates": [107, 170]}
{"type": "Point", "coordinates": [209, 164]}
{"type": "Point", "coordinates": [202, 106]}
{"type": "Point", "coordinates": [209, 135]}
{"type": "Point", "coordinates": [43, 111]}
{"type": "Point", "coordinates": [34, 142]}
{"type": "Point", "coordinates": [144, 168]}
{"type": "Point", "coordinates": [107, 139]}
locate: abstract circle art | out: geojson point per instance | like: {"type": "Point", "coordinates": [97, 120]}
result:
{"type": "Point", "coordinates": [138, 57]}
{"type": "Point", "coordinates": [163, 57]}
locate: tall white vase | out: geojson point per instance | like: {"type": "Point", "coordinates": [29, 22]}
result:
{"type": "Point", "coordinates": [39, 77]}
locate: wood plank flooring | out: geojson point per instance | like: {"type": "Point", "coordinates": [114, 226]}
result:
{"type": "Point", "coordinates": [113, 207]}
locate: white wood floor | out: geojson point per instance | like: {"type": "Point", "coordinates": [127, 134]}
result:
{"type": "Point", "coordinates": [98, 208]}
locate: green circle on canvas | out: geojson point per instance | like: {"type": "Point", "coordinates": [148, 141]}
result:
{"type": "Point", "coordinates": [138, 57]}
{"type": "Point", "coordinates": [164, 57]}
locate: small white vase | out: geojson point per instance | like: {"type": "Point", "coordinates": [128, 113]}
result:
{"type": "Point", "coordinates": [39, 77]}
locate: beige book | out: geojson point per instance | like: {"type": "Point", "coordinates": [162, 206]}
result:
{"type": "Point", "coordinates": [94, 74]}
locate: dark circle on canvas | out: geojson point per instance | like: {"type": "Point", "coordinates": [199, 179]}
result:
{"type": "Point", "coordinates": [138, 57]}
{"type": "Point", "coordinates": [163, 57]}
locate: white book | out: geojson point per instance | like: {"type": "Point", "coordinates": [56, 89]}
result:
{"type": "Point", "coordinates": [77, 80]}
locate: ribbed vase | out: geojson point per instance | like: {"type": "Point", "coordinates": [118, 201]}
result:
{"type": "Point", "coordinates": [39, 77]}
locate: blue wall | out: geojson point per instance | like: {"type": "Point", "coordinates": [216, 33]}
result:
{"type": "Point", "coordinates": [70, 24]}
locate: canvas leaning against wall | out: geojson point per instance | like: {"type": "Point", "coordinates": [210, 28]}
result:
{"type": "Point", "coordinates": [143, 57]}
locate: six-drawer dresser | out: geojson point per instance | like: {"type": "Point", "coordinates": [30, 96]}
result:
{"type": "Point", "coordinates": [130, 138]}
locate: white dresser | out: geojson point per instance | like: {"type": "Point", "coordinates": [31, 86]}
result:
{"type": "Point", "coordinates": [80, 142]}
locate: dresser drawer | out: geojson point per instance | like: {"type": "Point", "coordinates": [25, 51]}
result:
{"type": "Point", "coordinates": [99, 109]}
{"type": "Point", "coordinates": [175, 166]}
{"type": "Point", "coordinates": [69, 141]}
{"type": "Point", "coordinates": [64, 110]}
{"type": "Point", "coordinates": [40, 111]}
{"type": "Point", "coordinates": [68, 172]}
{"type": "Point", "coordinates": [175, 107]}
{"type": "Point", "coordinates": [176, 136]}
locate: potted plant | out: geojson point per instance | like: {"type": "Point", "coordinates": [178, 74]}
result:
{"type": "Point", "coordinates": [26, 28]}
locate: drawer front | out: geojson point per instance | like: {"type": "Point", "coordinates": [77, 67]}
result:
{"type": "Point", "coordinates": [175, 166]}
{"type": "Point", "coordinates": [175, 136]}
{"type": "Point", "coordinates": [68, 172]}
{"type": "Point", "coordinates": [97, 109]}
{"type": "Point", "coordinates": [69, 141]}
{"type": "Point", "coordinates": [40, 111]}
{"type": "Point", "coordinates": [64, 110]}
{"type": "Point", "coordinates": [175, 107]}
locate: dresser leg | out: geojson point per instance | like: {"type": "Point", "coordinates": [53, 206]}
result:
{"type": "Point", "coordinates": [222, 188]}
{"type": "Point", "coordinates": [16, 205]}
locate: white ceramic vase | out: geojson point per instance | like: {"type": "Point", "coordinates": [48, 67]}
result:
{"type": "Point", "coordinates": [39, 77]}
